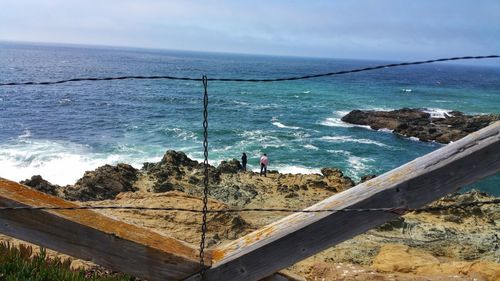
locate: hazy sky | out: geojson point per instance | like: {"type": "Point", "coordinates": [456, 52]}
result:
{"type": "Point", "coordinates": [375, 29]}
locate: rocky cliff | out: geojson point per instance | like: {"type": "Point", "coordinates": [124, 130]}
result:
{"type": "Point", "coordinates": [458, 244]}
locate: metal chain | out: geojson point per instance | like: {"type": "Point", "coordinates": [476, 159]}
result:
{"type": "Point", "coordinates": [205, 179]}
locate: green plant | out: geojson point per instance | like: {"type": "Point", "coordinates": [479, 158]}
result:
{"type": "Point", "coordinates": [22, 264]}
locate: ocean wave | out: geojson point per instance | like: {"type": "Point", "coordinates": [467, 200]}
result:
{"type": "Point", "coordinates": [310, 146]}
{"type": "Point", "coordinates": [385, 130]}
{"type": "Point", "coordinates": [283, 126]}
{"type": "Point", "coordinates": [339, 152]}
{"type": "Point", "coordinates": [341, 113]}
{"type": "Point", "coordinates": [438, 112]}
{"type": "Point", "coordinates": [65, 101]}
{"type": "Point", "coordinates": [278, 124]}
{"type": "Point", "coordinates": [356, 166]}
{"type": "Point", "coordinates": [337, 122]}
{"type": "Point", "coordinates": [359, 165]}
{"type": "Point", "coordinates": [293, 169]}
{"type": "Point", "coordinates": [181, 133]}
{"type": "Point", "coordinates": [223, 149]}
{"type": "Point", "coordinates": [57, 161]}
{"type": "Point", "coordinates": [261, 138]}
{"type": "Point", "coordinates": [341, 139]}
{"type": "Point", "coordinates": [26, 134]}
{"type": "Point", "coordinates": [240, 103]}
{"type": "Point", "coordinates": [375, 108]}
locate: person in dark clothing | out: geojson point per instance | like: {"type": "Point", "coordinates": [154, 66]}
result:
{"type": "Point", "coordinates": [244, 161]}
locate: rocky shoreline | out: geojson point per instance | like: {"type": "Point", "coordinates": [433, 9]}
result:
{"type": "Point", "coordinates": [417, 123]}
{"type": "Point", "coordinates": [456, 244]}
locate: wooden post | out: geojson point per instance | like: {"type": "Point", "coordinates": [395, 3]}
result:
{"type": "Point", "coordinates": [298, 236]}
{"type": "Point", "coordinates": [94, 237]}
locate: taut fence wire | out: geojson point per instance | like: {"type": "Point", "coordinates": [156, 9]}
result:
{"type": "Point", "coordinates": [167, 77]}
{"type": "Point", "coordinates": [204, 211]}
{"type": "Point", "coordinates": [399, 209]}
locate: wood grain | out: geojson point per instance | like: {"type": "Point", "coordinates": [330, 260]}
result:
{"type": "Point", "coordinates": [91, 236]}
{"type": "Point", "coordinates": [298, 236]}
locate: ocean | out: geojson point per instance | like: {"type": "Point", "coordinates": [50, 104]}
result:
{"type": "Point", "coordinates": [61, 131]}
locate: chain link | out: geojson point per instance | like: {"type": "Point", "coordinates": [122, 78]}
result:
{"type": "Point", "coordinates": [205, 179]}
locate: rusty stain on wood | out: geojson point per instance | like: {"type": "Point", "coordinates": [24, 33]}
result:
{"type": "Point", "coordinates": [300, 235]}
{"type": "Point", "coordinates": [179, 259]}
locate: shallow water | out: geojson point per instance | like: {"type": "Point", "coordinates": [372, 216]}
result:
{"type": "Point", "coordinates": [59, 131]}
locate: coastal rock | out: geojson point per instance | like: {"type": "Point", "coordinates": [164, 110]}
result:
{"type": "Point", "coordinates": [335, 178]}
{"type": "Point", "coordinates": [415, 122]}
{"type": "Point", "coordinates": [103, 183]}
{"type": "Point", "coordinates": [367, 178]}
{"type": "Point", "coordinates": [38, 183]}
{"type": "Point", "coordinates": [176, 171]}
{"type": "Point", "coordinates": [461, 239]}
{"type": "Point", "coordinates": [234, 195]}
{"type": "Point", "coordinates": [232, 166]}
{"type": "Point", "coordinates": [181, 225]}
{"type": "Point", "coordinates": [401, 258]}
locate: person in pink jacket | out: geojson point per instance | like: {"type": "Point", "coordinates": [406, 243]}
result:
{"type": "Point", "coordinates": [264, 161]}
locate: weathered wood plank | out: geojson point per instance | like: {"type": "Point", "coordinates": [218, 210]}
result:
{"type": "Point", "coordinates": [412, 185]}
{"type": "Point", "coordinates": [94, 237]}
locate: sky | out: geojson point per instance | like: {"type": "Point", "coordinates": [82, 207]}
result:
{"type": "Point", "coordinates": [358, 29]}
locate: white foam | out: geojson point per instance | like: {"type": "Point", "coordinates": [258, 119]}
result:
{"type": "Point", "coordinates": [385, 130]}
{"type": "Point", "coordinates": [26, 134]}
{"type": "Point", "coordinates": [358, 166]}
{"type": "Point", "coordinates": [283, 126]}
{"type": "Point", "coordinates": [341, 139]}
{"type": "Point", "coordinates": [58, 162]}
{"type": "Point", "coordinates": [291, 169]}
{"type": "Point", "coordinates": [240, 102]}
{"type": "Point", "coordinates": [357, 163]}
{"type": "Point", "coordinates": [310, 146]}
{"type": "Point", "coordinates": [379, 109]}
{"type": "Point", "coordinates": [414, 139]}
{"type": "Point", "coordinates": [341, 113]}
{"type": "Point", "coordinates": [263, 139]}
{"type": "Point", "coordinates": [182, 133]}
{"type": "Point", "coordinates": [306, 92]}
{"type": "Point", "coordinates": [335, 122]}
{"type": "Point", "coordinates": [222, 149]}
{"type": "Point", "coordinates": [341, 152]}
{"type": "Point", "coordinates": [278, 124]}
{"type": "Point", "coordinates": [65, 101]}
{"type": "Point", "coordinates": [438, 112]}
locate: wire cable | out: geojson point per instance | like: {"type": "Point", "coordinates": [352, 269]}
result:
{"type": "Point", "coordinates": [250, 80]}
{"type": "Point", "coordinates": [239, 210]}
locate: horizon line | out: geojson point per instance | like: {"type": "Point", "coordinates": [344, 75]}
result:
{"type": "Point", "coordinates": [99, 46]}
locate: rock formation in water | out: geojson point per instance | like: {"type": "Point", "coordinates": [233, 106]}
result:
{"type": "Point", "coordinates": [419, 124]}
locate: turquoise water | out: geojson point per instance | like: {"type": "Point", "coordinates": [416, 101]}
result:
{"type": "Point", "coordinates": [59, 131]}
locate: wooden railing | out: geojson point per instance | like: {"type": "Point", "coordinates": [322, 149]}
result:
{"type": "Point", "coordinates": [127, 248]}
